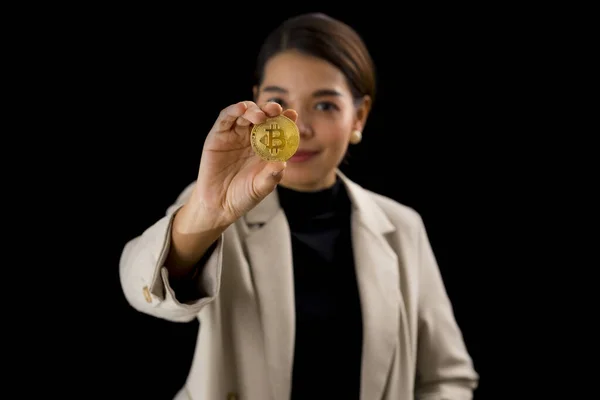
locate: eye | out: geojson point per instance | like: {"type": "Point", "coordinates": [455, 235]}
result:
{"type": "Point", "coordinates": [326, 106]}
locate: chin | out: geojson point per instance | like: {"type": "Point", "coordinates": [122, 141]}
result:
{"type": "Point", "coordinates": [302, 179]}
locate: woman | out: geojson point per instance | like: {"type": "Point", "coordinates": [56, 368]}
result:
{"type": "Point", "coordinates": [306, 285]}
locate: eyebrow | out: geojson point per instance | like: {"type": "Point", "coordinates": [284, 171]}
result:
{"type": "Point", "coordinates": [316, 93]}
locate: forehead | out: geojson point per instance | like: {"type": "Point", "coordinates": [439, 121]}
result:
{"type": "Point", "coordinates": [299, 73]}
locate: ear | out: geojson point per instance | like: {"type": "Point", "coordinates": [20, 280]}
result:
{"type": "Point", "coordinates": [255, 92]}
{"type": "Point", "coordinates": [362, 113]}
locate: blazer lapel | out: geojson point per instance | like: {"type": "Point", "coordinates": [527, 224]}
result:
{"type": "Point", "coordinates": [270, 255]}
{"type": "Point", "coordinates": [378, 281]}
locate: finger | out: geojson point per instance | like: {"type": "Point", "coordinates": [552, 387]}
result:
{"type": "Point", "coordinates": [241, 121]}
{"type": "Point", "coordinates": [272, 109]}
{"type": "Point", "coordinates": [230, 114]}
{"type": "Point", "coordinates": [291, 114]}
{"type": "Point", "coordinates": [267, 179]}
{"type": "Point", "coordinates": [253, 115]}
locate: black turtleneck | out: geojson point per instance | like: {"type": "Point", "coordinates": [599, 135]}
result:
{"type": "Point", "coordinates": [328, 346]}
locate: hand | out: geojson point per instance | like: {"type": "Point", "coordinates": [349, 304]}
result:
{"type": "Point", "coordinates": [232, 179]}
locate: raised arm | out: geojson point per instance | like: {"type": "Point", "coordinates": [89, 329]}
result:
{"type": "Point", "coordinates": [173, 268]}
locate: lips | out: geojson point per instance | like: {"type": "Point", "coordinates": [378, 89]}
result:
{"type": "Point", "coordinates": [303, 155]}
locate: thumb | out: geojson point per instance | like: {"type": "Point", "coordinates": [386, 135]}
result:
{"type": "Point", "coordinates": [268, 178]}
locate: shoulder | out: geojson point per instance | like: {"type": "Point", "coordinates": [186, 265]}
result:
{"type": "Point", "coordinates": [398, 213]}
{"type": "Point", "coordinates": [385, 209]}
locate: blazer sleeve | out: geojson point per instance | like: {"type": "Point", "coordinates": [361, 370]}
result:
{"type": "Point", "coordinates": [145, 280]}
{"type": "Point", "coordinates": [444, 368]}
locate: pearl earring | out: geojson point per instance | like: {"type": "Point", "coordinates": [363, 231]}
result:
{"type": "Point", "coordinates": [355, 136]}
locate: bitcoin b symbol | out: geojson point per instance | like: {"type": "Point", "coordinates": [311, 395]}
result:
{"type": "Point", "coordinates": [274, 140]}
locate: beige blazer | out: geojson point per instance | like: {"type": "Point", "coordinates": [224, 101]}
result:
{"type": "Point", "coordinates": [413, 348]}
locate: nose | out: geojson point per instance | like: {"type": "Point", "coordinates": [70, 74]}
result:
{"type": "Point", "coordinates": [304, 126]}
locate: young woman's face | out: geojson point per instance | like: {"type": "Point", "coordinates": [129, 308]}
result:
{"type": "Point", "coordinates": [320, 95]}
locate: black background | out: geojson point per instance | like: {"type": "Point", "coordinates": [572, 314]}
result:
{"type": "Point", "coordinates": [150, 84]}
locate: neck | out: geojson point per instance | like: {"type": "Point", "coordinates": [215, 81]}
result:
{"type": "Point", "coordinates": [309, 187]}
{"type": "Point", "coordinates": [302, 205]}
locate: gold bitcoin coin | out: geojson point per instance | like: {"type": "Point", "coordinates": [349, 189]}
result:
{"type": "Point", "coordinates": [276, 139]}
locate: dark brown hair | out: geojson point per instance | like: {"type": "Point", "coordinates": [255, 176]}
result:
{"type": "Point", "coordinates": [327, 38]}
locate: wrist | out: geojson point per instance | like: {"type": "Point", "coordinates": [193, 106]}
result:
{"type": "Point", "coordinates": [195, 219]}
